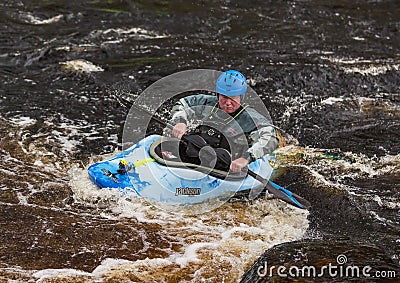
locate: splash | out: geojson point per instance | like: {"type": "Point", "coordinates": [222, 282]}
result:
{"type": "Point", "coordinates": [215, 246]}
{"type": "Point", "coordinates": [364, 67]}
{"type": "Point", "coordinates": [30, 18]}
{"type": "Point", "coordinates": [80, 66]}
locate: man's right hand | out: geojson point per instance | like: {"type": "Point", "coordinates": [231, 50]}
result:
{"type": "Point", "coordinates": [179, 130]}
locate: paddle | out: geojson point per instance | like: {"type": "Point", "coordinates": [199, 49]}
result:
{"type": "Point", "coordinates": [280, 192]}
{"type": "Point", "coordinates": [274, 189]}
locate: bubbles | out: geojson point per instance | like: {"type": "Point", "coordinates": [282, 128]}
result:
{"type": "Point", "coordinates": [364, 67]}
{"type": "Point", "coordinates": [33, 19]}
{"type": "Point", "coordinates": [80, 66]}
{"type": "Point", "coordinates": [213, 246]}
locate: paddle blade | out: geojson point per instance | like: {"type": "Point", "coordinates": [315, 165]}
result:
{"type": "Point", "coordinates": [287, 195]}
{"type": "Point", "coordinates": [280, 192]}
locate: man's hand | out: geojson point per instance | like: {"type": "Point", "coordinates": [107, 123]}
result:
{"type": "Point", "coordinates": [179, 130]}
{"type": "Point", "coordinates": [238, 164]}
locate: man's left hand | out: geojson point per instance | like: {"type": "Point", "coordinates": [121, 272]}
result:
{"type": "Point", "coordinates": [238, 164]}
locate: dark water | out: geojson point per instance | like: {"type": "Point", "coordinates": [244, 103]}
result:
{"type": "Point", "coordinates": [327, 71]}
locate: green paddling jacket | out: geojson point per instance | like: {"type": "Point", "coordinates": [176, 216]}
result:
{"type": "Point", "coordinates": [245, 133]}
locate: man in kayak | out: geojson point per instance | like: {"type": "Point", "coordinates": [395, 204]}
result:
{"type": "Point", "coordinates": [227, 123]}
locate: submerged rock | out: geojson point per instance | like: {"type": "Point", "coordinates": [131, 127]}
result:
{"type": "Point", "coordinates": [314, 261]}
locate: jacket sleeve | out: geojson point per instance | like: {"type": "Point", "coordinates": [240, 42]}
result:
{"type": "Point", "coordinates": [263, 139]}
{"type": "Point", "coordinates": [264, 142]}
{"type": "Point", "coordinates": [189, 107]}
{"type": "Point", "coordinates": [181, 112]}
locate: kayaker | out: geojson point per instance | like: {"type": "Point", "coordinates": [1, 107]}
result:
{"type": "Point", "coordinates": [227, 123]}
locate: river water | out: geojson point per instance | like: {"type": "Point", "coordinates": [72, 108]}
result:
{"type": "Point", "coordinates": [328, 71]}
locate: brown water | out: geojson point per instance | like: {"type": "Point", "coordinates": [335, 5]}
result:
{"type": "Point", "coordinates": [328, 73]}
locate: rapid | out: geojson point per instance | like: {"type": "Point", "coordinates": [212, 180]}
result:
{"type": "Point", "coordinates": [329, 74]}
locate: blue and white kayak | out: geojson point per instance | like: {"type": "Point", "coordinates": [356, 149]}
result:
{"type": "Point", "coordinates": [167, 182]}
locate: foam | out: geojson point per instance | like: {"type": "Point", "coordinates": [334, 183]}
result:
{"type": "Point", "coordinates": [32, 19]}
{"type": "Point", "coordinates": [191, 253]}
{"type": "Point", "coordinates": [131, 32]}
{"type": "Point", "coordinates": [107, 265]}
{"type": "Point", "coordinates": [362, 66]}
{"type": "Point", "coordinates": [23, 121]}
{"type": "Point", "coordinates": [232, 235]}
{"type": "Point", "coordinates": [331, 100]}
{"type": "Point", "coordinates": [45, 274]}
{"type": "Point", "coordinates": [80, 66]}
{"type": "Point", "coordinates": [373, 70]}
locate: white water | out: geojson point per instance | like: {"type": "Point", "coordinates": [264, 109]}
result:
{"type": "Point", "coordinates": [363, 67]}
{"type": "Point", "coordinates": [219, 245]}
{"type": "Point", "coordinates": [215, 246]}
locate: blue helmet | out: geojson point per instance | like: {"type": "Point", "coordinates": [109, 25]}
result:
{"type": "Point", "coordinates": [231, 83]}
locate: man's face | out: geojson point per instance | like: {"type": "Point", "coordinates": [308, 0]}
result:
{"type": "Point", "coordinates": [229, 104]}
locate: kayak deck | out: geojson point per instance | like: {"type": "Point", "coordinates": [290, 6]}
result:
{"type": "Point", "coordinates": [167, 183]}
